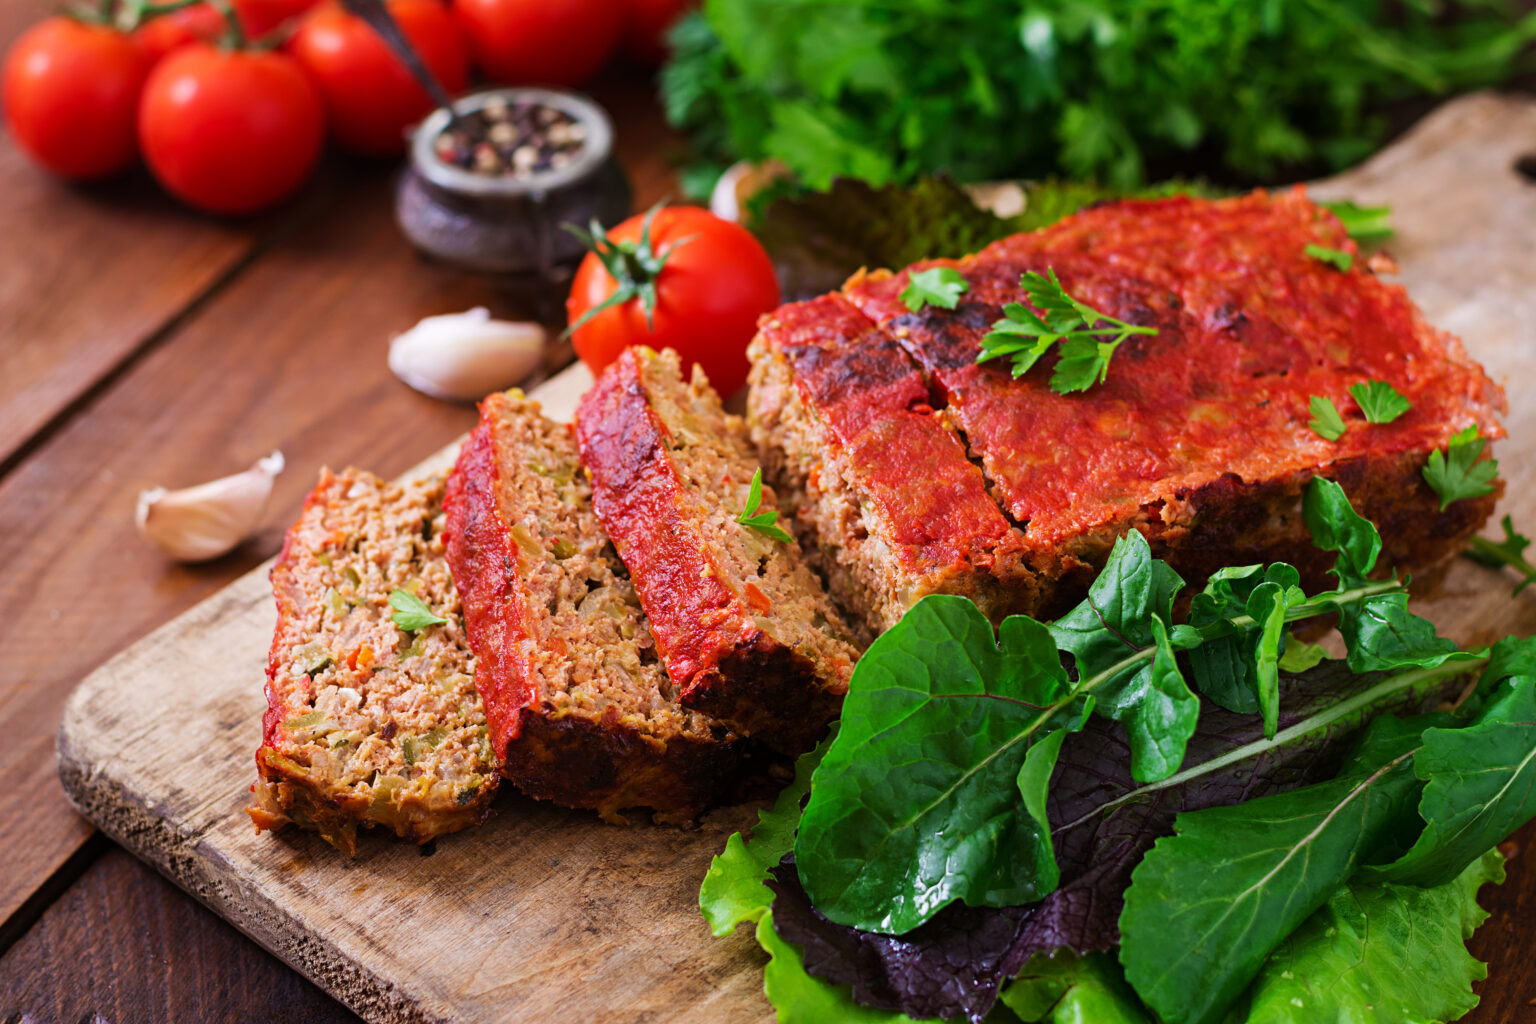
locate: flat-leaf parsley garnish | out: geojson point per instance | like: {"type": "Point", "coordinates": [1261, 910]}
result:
{"type": "Point", "coordinates": [762, 522]}
{"type": "Point", "coordinates": [1456, 472]}
{"type": "Point", "coordinates": [1326, 421]}
{"type": "Point", "coordinates": [1367, 225]}
{"type": "Point", "coordinates": [1086, 347]}
{"type": "Point", "coordinates": [1510, 551]}
{"type": "Point", "coordinates": [1337, 257]}
{"type": "Point", "coordinates": [1380, 401]}
{"type": "Point", "coordinates": [411, 612]}
{"type": "Point", "coordinates": [936, 286]}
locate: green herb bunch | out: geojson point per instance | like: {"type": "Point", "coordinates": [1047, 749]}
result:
{"type": "Point", "coordinates": [1091, 89]}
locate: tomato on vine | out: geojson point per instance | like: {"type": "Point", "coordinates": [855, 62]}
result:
{"type": "Point", "coordinates": [677, 277]}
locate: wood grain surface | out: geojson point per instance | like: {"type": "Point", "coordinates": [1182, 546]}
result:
{"type": "Point", "coordinates": [547, 914]}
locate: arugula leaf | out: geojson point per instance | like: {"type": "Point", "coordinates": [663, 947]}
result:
{"type": "Point", "coordinates": [917, 803]}
{"type": "Point", "coordinates": [762, 522]}
{"type": "Point", "coordinates": [735, 887]}
{"type": "Point", "coordinates": [411, 612]}
{"type": "Point", "coordinates": [1337, 258]}
{"type": "Point", "coordinates": [936, 286]}
{"type": "Point", "coordinates": [1456, 473]}
{"type": "Point", "coordinates": [1299, 657]}
{"type": "Point", "coordinates": [1128, 611]}
{"type": "Point", "coordinates": [1025, 336]}
{"type": "Point", "coordinates": [1379, 954]}
{"type": "Point", "coordinates": [1065, 988]}
{"type": "Point", "coordinates": [1379, 401]}
{"type": "Point", "coordinates": [1326, 421]}
{"type": "Point", "coordinates": [1207, 905]}
{"type": "Point", "coordinates": [1367, 225]}
{"type": "Point", "coordinates": [1510, 551]}
{"type": "Point", "coordinates": [1479, 786]}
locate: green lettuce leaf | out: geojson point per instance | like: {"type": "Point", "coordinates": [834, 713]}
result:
{"type": "Point", "coordinates": [1379, 954]}
{"type": "Point", "coordinates": [1207, 905]}
{"type": "Point", "coordinates": [735, 888]}
{"type": "Point", "coordinates": [800, 998]}
{"type": "Point", "coordinates": [1479, 786]}
{"type": "Point", "coordinates": [1065, 988]}
{"type": "Point", "coordinates": [918, 802]}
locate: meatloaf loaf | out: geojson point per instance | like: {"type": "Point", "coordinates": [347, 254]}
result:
{"type": "Point", "coordinates": [369, 722]}
{"type": "Point", "coordinates": [581, 711]}
{"type": "Point", "coordinates": [742, 624]}
{"type": "Point", "coordinates": [1199, 437]}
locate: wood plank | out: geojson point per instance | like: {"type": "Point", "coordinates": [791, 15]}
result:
{"type": "Point", "coordinates": [125, 945]}
{"type": "Point", "coordinates": [545, 912]}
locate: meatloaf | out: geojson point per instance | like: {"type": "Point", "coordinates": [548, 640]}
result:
{"type": "Point", "coordinates": [1199, 437]}
{"type": "Point", "coordinates": [742, 624]}
{"type": "Point", "coordinates": [580, 708]}
{"type": "Point", "coordinates": [369, 722]}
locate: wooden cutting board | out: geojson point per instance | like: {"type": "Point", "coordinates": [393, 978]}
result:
{"type": "Point", "coordinates": [550, 915]}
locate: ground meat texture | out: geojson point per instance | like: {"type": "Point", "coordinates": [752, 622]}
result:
{"type": "Point", "coordinates": [744, 627]}
{"type": "Point", "coordinates": [581, 711]}
{"type": "Point", "coordinates": [368, 723]}
{"type": "Point", "coordinates": [878, 483]}
{"type": "Point", "coordinates": [1199, 438]}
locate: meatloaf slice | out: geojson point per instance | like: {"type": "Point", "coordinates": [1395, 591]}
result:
{"type": "Point", "coordinates": [877, 482]}
{"type": "Point", "coordinates": [1200, 437]}
{"type": "Point", "coordinates": [744, 628]}
{"type": "Point", "coordinates": [369, 722]}
{"type": "Point", "coordinates": [580, 709]}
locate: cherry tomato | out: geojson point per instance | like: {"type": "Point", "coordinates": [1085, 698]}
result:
{"type": "Point", "coordinates": [714, 281]}
{"type": "Point", "coordinates": [205, 23]}
{"type": "Point", "coordinates": [369, 95]}
{"type": "Point", "coordinates": [71, 93]}
{"type": "Point", "coordinates": [230, 131]}
{"type": "Point", "coordinates": [646, 25]}
{"type": "Point", "coordinates": [548, 42]}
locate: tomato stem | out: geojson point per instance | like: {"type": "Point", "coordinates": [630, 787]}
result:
{"type": "Point", "coordinates": [634, 267]}
{"type": "Point", "coordinates": [234, 33]}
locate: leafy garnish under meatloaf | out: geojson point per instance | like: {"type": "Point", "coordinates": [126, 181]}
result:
{"type": "Point", "coordinates": [369, 723]}
{"type": "Point", "coordinates": [744, 628]}
{"type": "Point", "coordinates": [1199, 437]}
{"type": "Point", "coordinates": [581, 711]}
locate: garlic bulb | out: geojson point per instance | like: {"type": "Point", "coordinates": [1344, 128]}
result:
{"type": "Point", "coordinates": [465, 356]}
{"type": "Point", "coordinates": [203, 522]}
{"type": "Point", "coordinates": [740, 182]}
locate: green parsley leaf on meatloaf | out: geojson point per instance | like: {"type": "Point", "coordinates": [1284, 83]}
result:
{"type": "Point", "coordinates": [1380, 401]}
{"type": "Point", "coordinates": [1456, 472]}
{"type": "Point", "coordinates": [936, 286]}
{"type": "Point", "coordinates": [762, 522]}
{"type": "Point", "coordinates": [1326, 421]}
{"type": "Point", "coordinates": [1335, 257]}
{"type": "Point", "coordinates": [411, 612]}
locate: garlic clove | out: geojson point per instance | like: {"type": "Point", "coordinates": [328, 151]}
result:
{"type": "Point", "coordinates": [466, 356]}
{"type": "Point", "coordinates": [206, 521]}
{"type": "Point", "coordinates": [740, 182]}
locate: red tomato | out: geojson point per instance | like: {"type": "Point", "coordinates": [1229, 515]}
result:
{"type": "Point", "coordinates": [369, 95]}
{"type": "Point", "coordinates": [646, 25]}
{"type": "Point", "coordinates": [714, 282]}
{"type": "Point", "coordinates": [205, 23]}
{"type": "Point", "coordinates": [230, 131]}
{"type": "Point", "coordinates": [71, 93]}
{"type": "Point", "coordinates": [548, 42]}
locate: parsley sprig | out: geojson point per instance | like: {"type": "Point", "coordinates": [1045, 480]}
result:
{"type": "Point", "coordinates": [762, 522]}
{"type": "Point", "coordinates": [1086, 348]}
{"type": "Point", "coordinates": [1510, 551]}
{"type": "Point", "coordinates": [1380, 401]}
{"type": "Point", "coordinates": [1326, 421]}
{"type": "Point", "coordinates": [1456, 472]}
{"type": "Point", "coordinates": [411, 612]}
{"type": "Point", "coordinates": [936, 286]}
{"type": "Point", "coordinates": [1338, 258]}
{"type": "Point", "coordinates": [1367, 225]}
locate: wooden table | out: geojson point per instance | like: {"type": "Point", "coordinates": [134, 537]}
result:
{"type": "Point", "coordinates": [143, 345]}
